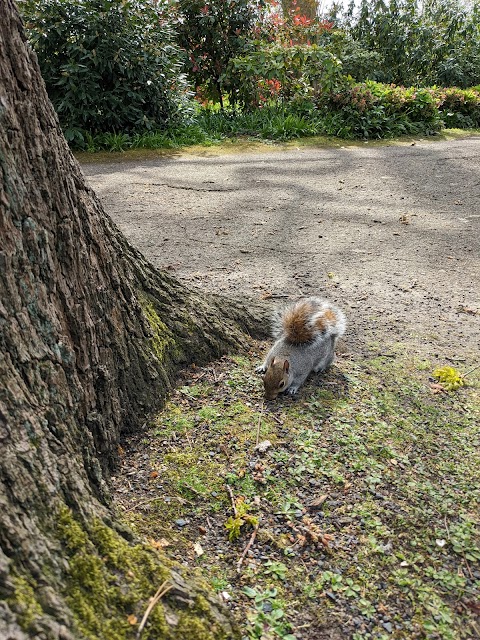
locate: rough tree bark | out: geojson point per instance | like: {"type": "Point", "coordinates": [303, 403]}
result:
{"type": "Point", "coordinates": [90, 338]}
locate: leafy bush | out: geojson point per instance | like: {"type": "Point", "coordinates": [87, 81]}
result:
{"type": "Point", "coordinates": [212, 32]}
{"type": "Point", "coordinates": [297, 73]}
{"type": "Point", "coordinates": [459, 107]}
{"type": "Point", "coordinates": [357, 61]}
{"type": "Point", "coordinates": [415, 43]}
{"type": "Point", "coordinates": [374, 110]}
{"type": "Point", "coordinates": [293, 24]}
{"type": "Point", "coordinates": [108, 66]}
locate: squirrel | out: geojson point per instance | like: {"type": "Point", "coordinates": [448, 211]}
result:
{"type": "Point", "coordinates": [306, 333]}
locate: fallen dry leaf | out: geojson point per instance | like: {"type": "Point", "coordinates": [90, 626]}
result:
{"type": "Point", "coordinates": [437, 388]}
{"type": "Point", "coordinates": [317, 502]}
{"type": "Point", "coordinates": [159, 544]}
{"type": "Point", "coordinates": [474, 605]}
{"type": "Point", "coordinates": [171, 618]}
{"type": "Point", "coordinates": [197, 547]}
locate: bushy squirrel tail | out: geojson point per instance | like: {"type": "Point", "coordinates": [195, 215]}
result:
{"type": "Point", "coordinates": [307, 320]}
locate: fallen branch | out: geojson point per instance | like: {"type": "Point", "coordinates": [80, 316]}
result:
{"type": "Point", "coordinates": [161, 591]}
{"type": "Point", "coordinates": [250, 542]}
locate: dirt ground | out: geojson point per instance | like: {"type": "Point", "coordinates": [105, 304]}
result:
{"type": "Point", "coordinates": [390, 232]}
{"type": "Point", "coordinates": [367, 497]}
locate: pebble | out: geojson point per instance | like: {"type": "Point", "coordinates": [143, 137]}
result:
{"type": "Point", "coordinates": [387, 626]}
{"type": "Point", "coordinates": [180, 522]}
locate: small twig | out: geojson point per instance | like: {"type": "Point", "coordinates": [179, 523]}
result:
{"type": "Point", "coordinates": [230, 493]}
{"type": "Point", "coordinates": [214, 375]}
{"type": "Point", "coordinates": [190, 488]}
{"type": "Point", "coordinates": [277, 420]}
{"type": "Point", "coordinates": [161, 591]}
{"type": "Point", "coordinates": [446, 526]}
{"type": "Point", "coordinates": [250, 542]}
{"type": "Point", "coordinates": [258, 424]}
{"type": "Point", "coordinates": [471, 371]}
{"type": "Point", "coordinates": [468, 567]}
{"type": "Point", "coordinates": [141, 503]}
{"type": "Point", "coordinates": [304, 626]}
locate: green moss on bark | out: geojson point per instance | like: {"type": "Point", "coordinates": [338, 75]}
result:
{"type": "Point", "coordinates": [110, 582]}
{"type": "Point", "coordinates": [25, 602]}
{"type": "Point", "coordinates": [162, 341]}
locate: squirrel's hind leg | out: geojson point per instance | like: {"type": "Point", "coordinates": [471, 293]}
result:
{"type": "Point", "coordinates": [327, 358]}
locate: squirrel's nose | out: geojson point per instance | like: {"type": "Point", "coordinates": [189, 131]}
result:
{"type": "Point", "coordinates": [271, 396]}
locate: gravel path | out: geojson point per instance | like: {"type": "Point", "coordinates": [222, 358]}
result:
{"type": "Point", "coordinates": [390, 232]}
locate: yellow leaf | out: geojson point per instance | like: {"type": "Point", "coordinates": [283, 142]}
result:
{"type": "Point", "coordinates": [449, 377]}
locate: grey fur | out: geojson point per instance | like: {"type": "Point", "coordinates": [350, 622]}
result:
{"type": "Point", "coordinates": [314, 355]}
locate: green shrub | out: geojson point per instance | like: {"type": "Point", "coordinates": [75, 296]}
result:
{"type": "Point", "coordinates": [289, 73]}
{"type": "Point", "coordinates": [109, 66]}
{"type": "Point", "coordinates": [416, 43]}
{"type": "Point", "coordinates": [459, 107]}
{"type": "Point", "coordinates": [212, 32]}
{"type": "Point", "coordinates": [374, 110]}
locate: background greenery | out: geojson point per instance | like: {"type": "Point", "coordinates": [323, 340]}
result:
{"type": "Point", "coordinates": [158, 73]}
{"type": "Point", "coordinates": [109, 66]}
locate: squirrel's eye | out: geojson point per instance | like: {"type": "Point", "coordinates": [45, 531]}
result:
{"type": "Point", "coordinates": [282, 384]}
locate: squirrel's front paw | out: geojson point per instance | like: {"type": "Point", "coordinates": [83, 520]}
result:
{"type": "Point", "coordinates": [261, 369]}
{"type": "Point", "coordinates": [291, 391]}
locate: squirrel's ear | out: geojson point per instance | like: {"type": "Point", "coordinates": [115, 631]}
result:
{"type": "Point", "coordinates": [286, 366]}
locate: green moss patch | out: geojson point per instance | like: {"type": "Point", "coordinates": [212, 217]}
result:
{"type": "Point", "coordinates": [162, 342]}
{"type": "Point", "coordinates": [24, 601]}
{"type": "Point", "coordinates": [110, 583]}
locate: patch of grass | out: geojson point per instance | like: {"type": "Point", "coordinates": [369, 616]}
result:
{"type": "Point", "coordinates": [367, 498]}
{"type": "Point", "coordinates": [276, 123]}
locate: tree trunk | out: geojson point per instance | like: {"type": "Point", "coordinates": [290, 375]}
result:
{"type": "Point", "coordinates": [90, 338]}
